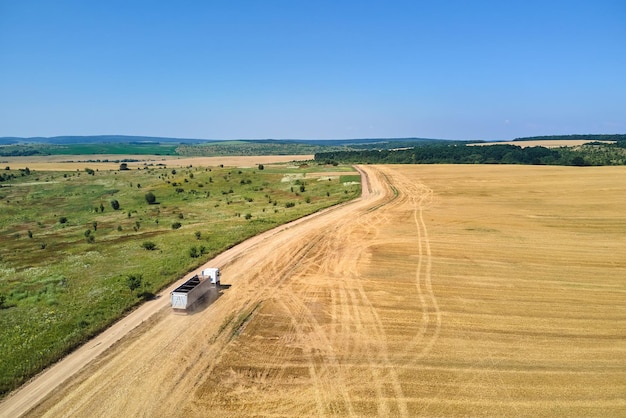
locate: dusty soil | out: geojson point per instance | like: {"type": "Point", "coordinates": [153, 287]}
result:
{"type": "Point", "coordinates": [443, 291]}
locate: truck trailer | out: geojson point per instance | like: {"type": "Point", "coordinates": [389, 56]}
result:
{"type": "Point", "coordinates": [195, 288]}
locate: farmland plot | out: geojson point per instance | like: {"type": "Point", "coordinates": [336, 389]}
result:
{"type": "Point", "coordinates": [447, 290]}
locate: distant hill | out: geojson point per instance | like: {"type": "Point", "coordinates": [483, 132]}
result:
{"type": "Point", "coordinates": [110, 139]}
{"type": "Point", "coordinates": [129, 139]}
{"type": "Point", "coordinates": [136, 145]}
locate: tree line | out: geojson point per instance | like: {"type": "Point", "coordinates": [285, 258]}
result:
{"type": "Point", "coordinates": [596, 154]}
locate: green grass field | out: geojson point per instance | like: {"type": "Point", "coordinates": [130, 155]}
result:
{"type": "Point", "coordinates": [66, 253]}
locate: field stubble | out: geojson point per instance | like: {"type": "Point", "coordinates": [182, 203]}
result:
{"type": "Point", "coordinates": [472, 290]}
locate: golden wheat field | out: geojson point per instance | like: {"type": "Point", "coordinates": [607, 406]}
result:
{"type": "Point", "coordinates": [444, 291]}
{"type": "Point", "coordinates": [107, 161]}
{"type": "Point", "coordinates": [556, 143]}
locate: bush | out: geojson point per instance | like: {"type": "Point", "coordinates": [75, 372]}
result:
{"type": "Point", "coordinates": [63, 220]}
{"type": "Point", "coordinates": [115, 204]}
{"type": "Point", "coordinates": [150, 198]}
{"type": "Point", "coordinates": [176, 225]}
{"type": "Point", "coordinates": [133, 281]}
{"type": "Point", "coordinates": [149, 245]}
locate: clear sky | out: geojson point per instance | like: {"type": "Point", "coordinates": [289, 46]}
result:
{"type": "Point", "coordinates": [317, 69]}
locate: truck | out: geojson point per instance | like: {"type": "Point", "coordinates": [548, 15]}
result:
{"type": "Point", "coordinates": [196, 288]}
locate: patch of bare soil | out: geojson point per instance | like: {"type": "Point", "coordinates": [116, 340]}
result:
{"type": "Point", "coordinates": [443, 291]}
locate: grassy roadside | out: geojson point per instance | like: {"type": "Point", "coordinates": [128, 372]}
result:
{"type": "Point", "coordinates": [66, 252]}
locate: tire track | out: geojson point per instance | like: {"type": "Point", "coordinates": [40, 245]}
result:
{"type": "Point", "coordinates": [419, 196]}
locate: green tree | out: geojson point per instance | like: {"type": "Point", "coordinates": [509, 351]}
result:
{"type": "Point", "coordinates": [115, 204]}
{"type": "Point", "coordinates": [134, 281]}
{"type": "Point", "coordinates": [150, 198]}
{"type": "Point", "coordinates": [149, 245]}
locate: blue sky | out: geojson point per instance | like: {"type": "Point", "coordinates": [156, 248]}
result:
{"type": "Point", "coordinates": [229, 69]}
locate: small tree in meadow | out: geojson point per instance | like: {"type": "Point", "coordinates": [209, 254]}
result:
{"type": "Point", "coordinates": [150, 198]}
{"type": "Point", "coordinates": [134, 281]}
{"type": "Point", "coordinates": [149, 245]}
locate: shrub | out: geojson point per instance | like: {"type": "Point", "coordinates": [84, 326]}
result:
{"type": "Point", "coordinates": [149, 245]}
{"type": "Point", "coordinates": [133, 281]}
{"type": "Point", "coordinates": [115, 204]}
{"type": "Point", "coordinates": [63, 220]}
{"type": "Point", "coordinates": [176, 225]}
{"type": "Point", "coordinates": [150, 198]}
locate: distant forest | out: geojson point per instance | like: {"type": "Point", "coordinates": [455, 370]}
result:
{"type": "Point", "coordinates": [594, 153]}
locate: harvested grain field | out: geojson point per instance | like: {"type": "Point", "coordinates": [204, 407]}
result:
{"type": "Point", "coordinates": [547, 143]}
{"type": "Point", "coordinates": [107, 161]}
{"type": "Point", "coordinates": [445, 291]}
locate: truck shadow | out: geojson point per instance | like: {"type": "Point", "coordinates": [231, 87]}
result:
{"type": "Point", "coordinates": [207, 300]}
